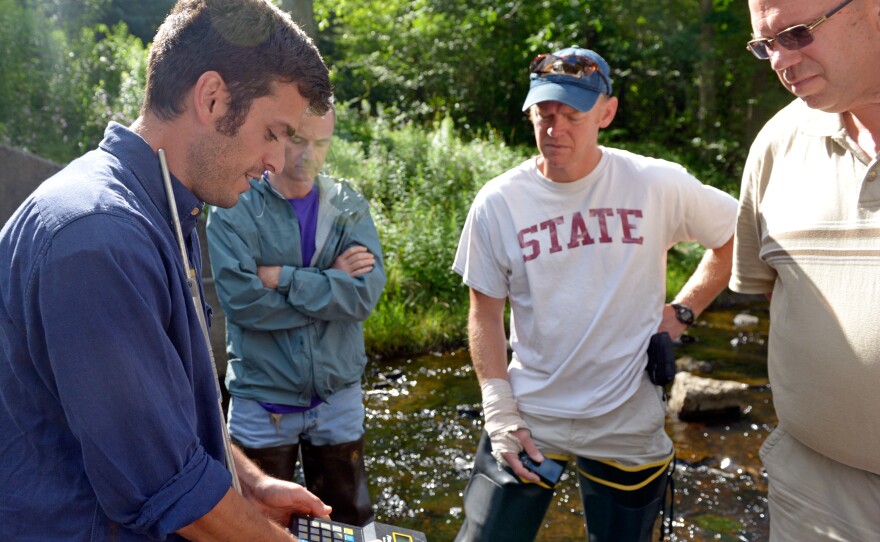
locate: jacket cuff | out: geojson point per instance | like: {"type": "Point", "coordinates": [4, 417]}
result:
{"type": "Point", "coordinates": [285, 279]}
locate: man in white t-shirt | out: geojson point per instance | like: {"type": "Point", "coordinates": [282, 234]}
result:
{"type": "Point", "coordinates": [576, 239]}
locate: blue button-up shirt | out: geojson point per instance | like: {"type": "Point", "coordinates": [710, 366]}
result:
{"type": "Point", "coordinates": [109, 425]}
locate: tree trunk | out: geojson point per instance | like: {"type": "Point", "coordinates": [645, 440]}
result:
{"type": "Point", "coordinates": [302, 11]}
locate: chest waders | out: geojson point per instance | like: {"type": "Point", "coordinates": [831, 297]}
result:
{"type": "Point", "coordinates": [336, 473]}
{"type": "Point", "coordinates": [621, 503]}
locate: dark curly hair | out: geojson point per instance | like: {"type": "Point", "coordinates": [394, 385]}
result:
{"type": "Point", "coordinates": [250, 43]}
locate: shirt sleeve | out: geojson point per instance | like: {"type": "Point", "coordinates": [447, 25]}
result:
{"type": "Point", "coordinates": [751, 275]}
{"type": "Point", "coordinates": [108, 306]}
{"type": "Point", "coordinates": [480, 257]}
{"type": "Point", "coordinates": [707, 216]}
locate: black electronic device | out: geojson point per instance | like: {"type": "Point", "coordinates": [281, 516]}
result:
{"type": "Point", "coordinates": [661, 359]}
{"type": "Point", "coordinates": [548, 471]}
{"type": "Point", "coordinates": [322, 530]}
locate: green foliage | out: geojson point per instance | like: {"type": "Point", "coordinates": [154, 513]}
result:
{"type": "Point", "coordinates": [67, 15]}
{"type": "Point", "coordinates": [27, 55]}
{"type": "Point", "coordinates": [420, 183]}
{"type": "Point", "coordinates": [142, 18]}
{"type": "Point", "coordinates": [58, 91]}
{"type": "Point", "coordinates": [106, 71]}
{"type": "Point", "coordinates": [718, 525]}
{"type": "Point", "coordinates": [430, 96]}
{"type": "Point", "coordinates": [682, 260]}
{"type": "Point", "coordinates": [680, 67]}
{"type": "Point", "coordinates": [428, 60]}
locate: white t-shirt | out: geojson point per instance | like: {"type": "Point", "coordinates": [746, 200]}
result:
{"type": "Point", "coordinates": [584, 267]}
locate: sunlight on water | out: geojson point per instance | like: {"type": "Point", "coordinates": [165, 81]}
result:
{"type": "Point", "coordinates": [424, 419]}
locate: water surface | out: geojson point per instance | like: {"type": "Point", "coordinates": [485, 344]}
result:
{"type": "Point", "coordinates": [423, 422]}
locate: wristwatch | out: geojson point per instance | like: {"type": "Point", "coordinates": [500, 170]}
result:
{"type": "Point", "coordinates": [683, 314]}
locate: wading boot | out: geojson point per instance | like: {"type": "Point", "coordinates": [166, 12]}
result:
{"type": "Point", "coordinates": [338, 476]}
{"type": "Point", "coordinates": [622, 503]}
{"type": "Point", "coordinates": [277, 461]}
{"type": "Point", "coordinates": [498, 505]}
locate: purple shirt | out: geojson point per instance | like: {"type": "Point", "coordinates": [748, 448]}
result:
{"type": "Point", "coordinates": [306, 211]}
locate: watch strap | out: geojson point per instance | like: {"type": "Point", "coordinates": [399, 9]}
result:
{"type": "Point", "coordinates": [683, 314]}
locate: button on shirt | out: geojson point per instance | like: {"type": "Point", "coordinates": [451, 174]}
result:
{"type": "Point", "coordinates": [108, 404]}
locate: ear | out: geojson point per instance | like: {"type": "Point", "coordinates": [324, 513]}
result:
{"type": "Point", "coordinates": [875, 10]}
{"type": "Point", "coordinates": [210, 98]}
{"type": "Point", "coordinates": [609, 110]}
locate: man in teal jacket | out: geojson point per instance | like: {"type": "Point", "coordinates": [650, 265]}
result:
{"type": "Point", "coordinates": [298, 268]}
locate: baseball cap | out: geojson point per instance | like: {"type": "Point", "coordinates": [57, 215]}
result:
{"type": "Point", "coordinates": [560, 77]}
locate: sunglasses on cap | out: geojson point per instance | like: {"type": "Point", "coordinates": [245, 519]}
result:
{"type": "Point", "coordinates": [792, 38]}
{"type": "Point", "coordinates": [571, 65]}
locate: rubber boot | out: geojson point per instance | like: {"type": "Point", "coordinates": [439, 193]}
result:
{"type": "Point", "coordinates": [621, 504]}
{"type": "Point", "coordinates": [497, 505]}
{"type": "Point", "coordinates": [338, 476]}
{"type": "Point", "coordinates": [277, 461]}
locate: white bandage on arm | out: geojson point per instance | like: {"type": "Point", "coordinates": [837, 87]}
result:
{"type": "Point", "coordinates": [501, 414]}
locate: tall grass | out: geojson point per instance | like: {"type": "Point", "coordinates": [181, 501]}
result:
{"type": "Point", "coordinates": [420, 183]}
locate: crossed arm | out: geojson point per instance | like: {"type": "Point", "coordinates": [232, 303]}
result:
{"type": "Point", "coordinates": [271, 295]}
{"type": "Point", "coordinates": [355, 261]}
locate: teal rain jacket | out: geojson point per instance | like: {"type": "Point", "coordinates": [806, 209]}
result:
{"type": "Point", "coordinates": [306, 337]}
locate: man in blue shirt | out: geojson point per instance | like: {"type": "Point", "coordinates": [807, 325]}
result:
{"type": "Point", "coordinates": [298, 268]}
{"type": "Point", "coordinates": [108, 404]}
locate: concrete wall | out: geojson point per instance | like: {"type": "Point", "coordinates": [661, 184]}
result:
{"type": "Point", "coordinates": [218, 326]}
{"type": "Point", "coordinates": [21, 173]}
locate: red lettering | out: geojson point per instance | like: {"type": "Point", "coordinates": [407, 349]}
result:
{"type": "Point", "coordinates": [533, 244]}
{"type": "Point", "coordinates": [554, 235]}
{"type": "Point", "coordinates": [579, 234]}
{"type": "Point", "coordinates": [629, 227]}
{"type": "Point", "coordinates": [603, 214]}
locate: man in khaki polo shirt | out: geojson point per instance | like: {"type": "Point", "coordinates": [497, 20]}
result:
{"type": "Point", "coordinates": [808, 237]}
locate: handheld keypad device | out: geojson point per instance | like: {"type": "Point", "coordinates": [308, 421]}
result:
{"type": "Point", "coordinates": [320, 530]}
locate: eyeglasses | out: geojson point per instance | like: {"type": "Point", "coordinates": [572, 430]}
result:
{"type": "Point", "coordinates": [792, 38]}
{"type": "Point", "coordinates": [571, 65]}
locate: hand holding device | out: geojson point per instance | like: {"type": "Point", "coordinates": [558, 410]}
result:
{"type": "Point", "coordinates": [548, 471]}
{"type": "Point", "coordinates": [661, 359]}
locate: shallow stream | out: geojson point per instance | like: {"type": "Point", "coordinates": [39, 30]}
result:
{"type": "Point", "coordinates": [423, 422]}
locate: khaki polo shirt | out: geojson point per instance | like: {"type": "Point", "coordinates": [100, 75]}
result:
{"type": "Point", "coordinates": [809, 232]}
